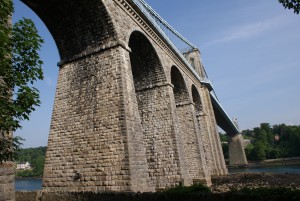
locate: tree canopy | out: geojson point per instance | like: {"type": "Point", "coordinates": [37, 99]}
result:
{"type": "Point", "coordinates": [21, 67]}
{"type": "Point", "coordinates": [36, 158]}
{"type": "Point", "coordinates": [291, 4]}
{"type": "Point", "coordinates": [269, 142]}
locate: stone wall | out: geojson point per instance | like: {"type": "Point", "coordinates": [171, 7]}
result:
{"type": "Point", "coordinates": [7, 181]}
{"type": "Point", "coordinates": [124, 118]}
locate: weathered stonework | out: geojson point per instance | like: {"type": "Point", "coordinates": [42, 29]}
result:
{"type": "Point", "coordinates": [129, 115]}
{"type": "Point", "coordinates": [236, 150]}
{"type": "Point", "coordinates": [7, 182]}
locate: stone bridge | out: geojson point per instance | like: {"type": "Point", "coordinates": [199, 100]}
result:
{"type": "Point", "coordinates": [129, 113]}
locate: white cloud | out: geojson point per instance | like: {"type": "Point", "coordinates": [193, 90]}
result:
{"type": "Point", "coordinates": [247, 31]}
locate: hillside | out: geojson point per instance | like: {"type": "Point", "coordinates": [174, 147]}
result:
{"type": "Point", "coordinates": [36, 157]}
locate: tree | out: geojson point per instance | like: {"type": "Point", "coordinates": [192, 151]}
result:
{"type": "Point", "coordinates": [291, 4]}
{"type": "Point", "coordinates": [294, 141]}
{"type": "Point", "coordinates": [270, 142]}
{"type": "Point", "coordinates": [261, 145]}
{"type": "Point", "coordinates": [20, 67]}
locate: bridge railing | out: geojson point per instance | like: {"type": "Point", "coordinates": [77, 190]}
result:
{"type": "Point", "coordinates": [175, 37]}
{"type": "Point", "coordinates": [159, 24]}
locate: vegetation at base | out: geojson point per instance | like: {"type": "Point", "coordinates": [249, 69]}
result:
{"type": "Point", "coordinates": [181, 189]}
{"type": "Point", "coordinates": [269, 142]}
{"type": "Point", "coordinates": [36, 158]}
{"type": "Point", "coordinates": [263, 193]}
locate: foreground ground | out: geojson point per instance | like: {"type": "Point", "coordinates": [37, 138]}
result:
{"type": "Point", "coordinates": [232, 187]}
{"type": "Point", "coordinates": [238, 181]}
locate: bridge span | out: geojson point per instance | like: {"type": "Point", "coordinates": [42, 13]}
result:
{"type": "Point", "coordinates": [134, 110]}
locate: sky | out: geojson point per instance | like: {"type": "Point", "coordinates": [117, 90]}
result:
{"type": "Point", "coordinates": [250, 50]}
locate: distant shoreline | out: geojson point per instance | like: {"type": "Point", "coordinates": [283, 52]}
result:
{"type": "Point", "coordinates": [271, 162]}
{"type": "Point", "coordinates": [23, 178]}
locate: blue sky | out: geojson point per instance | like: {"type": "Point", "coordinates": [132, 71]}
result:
{"type": "Point", "coordinates": [251, 51]}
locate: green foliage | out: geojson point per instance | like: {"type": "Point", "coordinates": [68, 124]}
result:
{"type": "Point", "coordinates": [269, 142]}
{"type": "Point", "coordinates": [180, 189]}
{"type": "Point", "coordinates": [294, 141]}
{"type": "Point", "coordinates": [291, 4]}
{"type": "Point", "coordinates": [265, 146]}
{"type": "Point", "coordinates": [247, 134]}
{"type": "Point", "coordinates": [9, 146]}
{"type": "Point", "coordinates": [6, 8]}
{"type": "Point", "coordinates": [225, 149]}
{"type": "Point", "coordinates": [223, 137]}
{"type": "Point", "coordinates": [18, 95]}
{"type": "Point", "coordinates": [36, 157]}
{"type": "Point", "coordinates": [20, 67]}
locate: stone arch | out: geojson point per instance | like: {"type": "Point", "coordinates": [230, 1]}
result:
{"type": "Point", "coordinates": [155, 112]}
{"type": "Point", "coordinates": [77, 27]}
{"type": "Point", "coordinates": [180, 90]}
{"type": "Point", "coordinates": [147, 69]}
{"type": "Point", "coordinates": [196, 100]}
{"type": "Point", "coordinates": [202, 127]}
{"type": "Point", "coordinates": [188, 127]}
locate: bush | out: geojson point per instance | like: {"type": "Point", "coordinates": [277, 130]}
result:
{"type": "Point", "coordinates": [189, 189]}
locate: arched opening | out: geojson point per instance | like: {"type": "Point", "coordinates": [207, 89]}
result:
{"type": "Point", "coordinates": [36, 130]}
{"type": "Point", "coordinates": [76, 26]}
{"type": "Point", "coordinates": [197, 100]}
{"type": "Point", "coordinates": [146, 67]}
{"type": "Point", "coordinates": [87, 99]}
{"type": "Point", "coordinates": [180, 91]}
{"type": "Point", "coordinates": [154, 106]}
{"type": "Point", "coordinates": [202, 126]}
{"type": "Point", "coordinates": [188, 126]}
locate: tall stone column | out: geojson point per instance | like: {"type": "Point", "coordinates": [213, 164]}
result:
{"type": "Point", "coordinates": [219, 167]}
{"type": "Point", "coordinates": [192, 143]}
{"type": "Point", "coordinates": [7, 181]}
{"type": "Point", "coordinates": [237, 156]}
{"type": "Point", "coordinates": [95, 141]}
{"type": "Point", "coordinates": [206, 141]}
{"type": "Point", "coordinates": [162, 136]}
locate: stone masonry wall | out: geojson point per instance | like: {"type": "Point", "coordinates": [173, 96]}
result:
{"type": "Point", "coordinates": [78, 27]}
{"type": "Point", "coordinates": [202, 127]}
{"type": "Point", "coordinates": [122, 120]}
{"type": "Point", "coordinates": [7, 181]}
{"type": "Point", "coordinates": [159, 136]}
{"type": "Point", "coordinates": [219, 162]}
{"type": "Point", "coordinates": [88, 134]}
{"type": "Point", "coordinates": [190, 140]}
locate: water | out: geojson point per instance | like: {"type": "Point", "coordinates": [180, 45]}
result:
{"type": "Point", "coordinates": [28, 184]}
{"type": "Point", "coordinates": [36, 184]}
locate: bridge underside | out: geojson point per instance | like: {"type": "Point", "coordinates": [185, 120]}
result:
{"type": "Point", "coordinates": [237, 156]}
{"type": "Point", "coordinates": [222, 118]}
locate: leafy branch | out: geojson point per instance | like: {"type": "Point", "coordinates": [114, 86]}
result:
{"type": "Point", "coordinates": [21, 67]}
{"type": "Point", "coordinates": [291, 4]}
